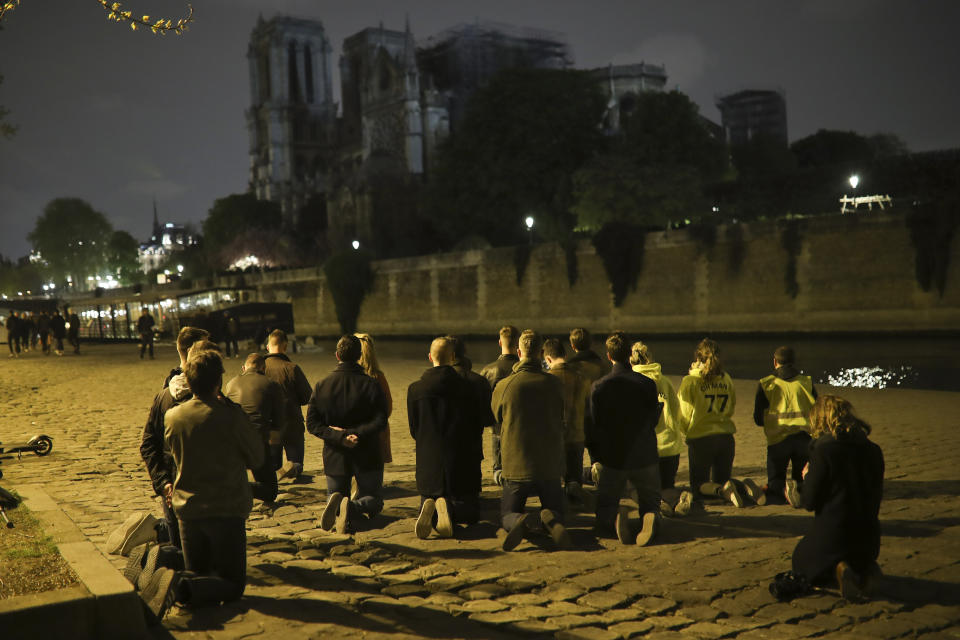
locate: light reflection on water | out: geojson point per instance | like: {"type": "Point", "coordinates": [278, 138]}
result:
{"type": "Point", "coordinates": [872, 377]}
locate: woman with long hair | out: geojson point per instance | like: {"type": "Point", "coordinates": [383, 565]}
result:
{"type": "Point", "coordinates": [843, 486]}
{"type": "Point", "coordinates": [368, 360]}
{"type": "Point", "coordinates": [669, 438]}
{"type": "Point", "coordinates": [707, 400]}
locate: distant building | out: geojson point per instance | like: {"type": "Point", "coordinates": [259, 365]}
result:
{"type": "Point", "coordinates": [622, 84]}
{"type": "Point", "coordinates": [165, 241]}
{"type": "Point", "coordinates": [753, 112]}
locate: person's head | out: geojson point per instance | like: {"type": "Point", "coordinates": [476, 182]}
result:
{"type": "Point", "coordinates": [186, 339]}
{"type": "Point", "coordinates": [783, 356]}
{"type": "Point", "coordinates": [144, 311]}
{"type": "Point", "coordinates": [508, 339]}
{"type": "Point", "coordinates": [553, 351]}
{"type": "Point", "coordinates": [834, 415]}
{"type": "Point", "coordinates": [441, 351]}
{"type": "Point", "coordinates": [277, 341]}
{"type": "Point", "coordinates": [202, 345]}
{"type": "Point", "coordinates": [707, 356]}
{"type": "Point", "coordinates": [204, 372]}
{"type": "Point", "coordinates": [459, 348]}
{"type": "Point", "coordinates": [580, 339]}
{"type": "Point", "coordinates": [255, 362]}
{"type": "Point", "coordinates": [617, 349]}
{"type": "Point", "coordinates": [640, 354]}
{"type": "Point", "coordinates": [530, 344]}
{"type": "Point", "coordinates": [368, 355]}
{"type": "Point", "coordinates": [348, 349]}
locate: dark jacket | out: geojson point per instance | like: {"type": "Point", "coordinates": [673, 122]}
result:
{"type": "Point", "coordinates": [576, 390]}
{"type": "Point", "coordinates": [261, 399]}
{"type": "Point", "coordinates": [843, 487]}
{"type": "Point", "coordinates": [295, 387]}
{"type": "Point", "coordinates": [74, 321]}
{"type": "Point", "coordinates": [350, 399]}
{"type": "Point", "coordinates": [442, 413]}
{"type": "Point", "coordinates": [625, 408]}
{"type": "Point", "coordinates": [528, 405]}
{"type": "Point", "coordinates": [499, 369]}
{"type": "Point", "coordinates": [589, 364]}
{"type": "Point", "coordinates": [156, 456]}
{"type": "Point", "coordinates": [58, 326]}
{"type": "Point", "coordinates": [145, 324]}
{"type": "Point", "coordinates": [482, 393]}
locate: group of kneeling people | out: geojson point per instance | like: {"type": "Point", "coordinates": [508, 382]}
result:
{"type": "Point", "coordinates": [545, 408]}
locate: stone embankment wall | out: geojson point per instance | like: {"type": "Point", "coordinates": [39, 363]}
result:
{"type": "Point", "coordinates": [853, 273]}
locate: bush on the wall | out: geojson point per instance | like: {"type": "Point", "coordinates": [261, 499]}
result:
{"type": "Point", "coordinates": [569, 246]}
{"type": "Point", "coordinates": [350, 278]}
{"type": "Point", "coordinates": [620, 246]}
{"type": "Point", "coordinates": [932, 227]}
{"type": "Point", "coordinates": [521, 260]}
{"type": "Point", "coordinates": [736, 248]}
{"type": "Point", "coordinates": [791, 240]}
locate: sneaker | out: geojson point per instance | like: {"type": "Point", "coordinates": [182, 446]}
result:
{"type": "Point", "coordinates": [755, 492]}
{"type": "Point", "coordinates": [498, 477]}
{"type": "Point", "coordinates": [729, 492]}
{"type": "Point", "coordinates": [792, 493]}
{"type": "Point", "coordinates": [343, 516]}
{"type": "Point", "coordinates": [329, 516]}
{"type": "Point", "coordinates": [622, 526]}
{"type": "Point", "coordinates": [444, 520]}
{"type": "Point", "coordinates": [515, 534]}
{"type": "Point", "coordinates": [425, 520]}
{"type": "Point", "coordinates": [684, 504]}
{"type": "Point", "coordinates": [144, 531]}
{"type": "Point", "coordinates": [149, 567]}
{"type": "Point", "coordinates": [115, 541]}
{"type": "Point", "coordinates": [556, 529]}
{"type": "Point", "coordinates": [665, 509]}
{"type": "Point", "coordinates": [160, 594]}
{"type": "Point", "coordinates": [138, 558]}
{"type": "Point", "coordinates": [648, 530]}
{"type": "Point", "coordinates": [849, 583]}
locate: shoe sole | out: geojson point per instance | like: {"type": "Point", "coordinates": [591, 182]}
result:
{"type": "Point", "coordinates": [557, 531]}
{"type": "Point", "coordinates": [648, 531]}
{"type": "Point", "coordinates": [329, 516]}
{"type": "Point", "coordinates": [515, 534]}
{"type": "Point", "coordinates": [135, 564]}
{"type": "Point", "coordinates": [444, 521]}
{"type": "Point", "coordinates": [149, 568]}
{"type": "Point", "coordinates": [684, 504]}
{"type": "Point", "coordinates": [793, 494]}
{"type": "Point", "coordinates": [161, 595]}
{"type": "Point", "coordinates": [622, 526]}
{"type": "Point", "coordinates": [343, 516]}
{"type": "Point", "coordinates": [425, 520]}
{"type": "Point", "coordinates": [729, 492]}
{"type": "Point", "coordinates": [143, 533]}
{"type": "Point", "coordinates": [755, 492]}
{"type": "Point", "coordinates": [116, 539]}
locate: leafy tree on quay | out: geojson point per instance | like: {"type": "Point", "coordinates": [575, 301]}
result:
{"type": "Point", "coordinates": [72, 239]}
{"type": "Point", "coordinates": [655, 170]}
{"type": "Point", "coordinates": [514, 155]}
{"type": "Point", "coordinates": [122, 257]}
{"type": "Point", "coordinates": [237, 225]}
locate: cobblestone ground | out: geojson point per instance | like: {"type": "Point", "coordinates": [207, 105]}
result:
{"type": "Point", "coordinates": [706, 577]}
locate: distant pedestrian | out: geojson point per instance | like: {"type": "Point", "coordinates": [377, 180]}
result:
{"type": "Point", "coordinates": [145, 324]}
{"type": "Point", "coordinates": [13, 334]}
{"type": "Point", "coordinates": [231, 332]}
{"type": "Point", "coordinates": [73, 331]}
{"type": "Point", "coordinates": [59, 330]}
{"type": "Point", "coordinates": [43, 330]}
{"type": "Point", "coordinates": [781, 407]}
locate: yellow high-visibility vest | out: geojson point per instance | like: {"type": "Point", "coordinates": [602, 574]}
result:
{"type": "Point", "coordinates": [790, 403]}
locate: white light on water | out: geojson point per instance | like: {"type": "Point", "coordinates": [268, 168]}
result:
{"type": "Point", "coordinates": [871, 377]}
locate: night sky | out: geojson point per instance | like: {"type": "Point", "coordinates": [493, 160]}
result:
{"type": "Point", "coordinates": [119, 117]}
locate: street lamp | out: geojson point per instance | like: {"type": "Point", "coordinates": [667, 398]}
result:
{"type": "Point", "coordinates": [854, 180]}
{"type": "Point", "coordinates": [355, 244]}
{"type": "Point", "coordinates": [529, 222]}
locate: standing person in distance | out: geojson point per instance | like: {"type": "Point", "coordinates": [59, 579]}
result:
{"type": "Point", "coordinates": [494, 373]}
{"type": "Point", "coordinates": [58, 327]}
{"type": "Point", "coordinates": [297, 391]}
{"type": "Point", "coordinates": [231, 331]}
{"type": "Point", "coordinates": [43, 330]}
{"type": "Point", "coordinates": [669, 438]}
{"type": "Point", "coordinates": [145, 324]}
{"type": "Point", "coordinates": [73, 331]}
{"type": "Point", "coordinates": [782, 406]}
{"type": "Point", "coordinates": [843, 486]}
{"type": "Point", "coordinates": [13, 334]}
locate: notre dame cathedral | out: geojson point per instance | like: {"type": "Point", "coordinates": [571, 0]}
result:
{"type": "Point", "coordinates": [359, 169]}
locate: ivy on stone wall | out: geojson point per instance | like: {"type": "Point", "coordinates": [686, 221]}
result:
{"type": "Point", "coordinates": [569, 246]}
{"type": "Point", "coordinates": [704, 233]}
{"type": "Point", "coordinates": [736, 248]}
{"type": "Point", "coordinates": [349, 278]}
{"type": "Point", "coordinates": [521, 259]}
{"type": "Point", "coordinates": [932, 227]}
{"type": "Point", "coordinates": [791, 240]}
{"type": "Point", "coordinates": [620, 246]}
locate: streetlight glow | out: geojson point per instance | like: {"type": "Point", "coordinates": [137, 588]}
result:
{"type": "Point", "coordinates": [355, 244]}
{"type": "Point", "coordinates": [529, 222]}
{"type": "Point", "coordinates": [854, 180]}
{"type": "Point", "coordinates": [179, 268]}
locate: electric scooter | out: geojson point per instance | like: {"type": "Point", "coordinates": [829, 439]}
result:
{"type": "Point", "coordinates": [40, 445]}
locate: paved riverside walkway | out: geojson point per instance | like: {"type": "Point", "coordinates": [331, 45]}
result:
{"type": "Point", "coordinates": [706, 577]}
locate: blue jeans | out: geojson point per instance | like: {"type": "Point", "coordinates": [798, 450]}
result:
{"type": "Point", "coordinates": [515, 494]}
{"type": "Point", "coordinates": [610, 485]}
{"type": "Point", "coordinates": [369, 485]}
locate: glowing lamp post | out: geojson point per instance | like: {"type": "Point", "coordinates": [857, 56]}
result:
{"type": "Point", "coordinates": [854, 180]}
{"type": "Point", "coordinates": [355, 244]}
{"type": "Point", "coordinates": [529, 222]}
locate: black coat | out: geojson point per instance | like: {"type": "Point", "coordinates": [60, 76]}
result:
{"type": "Point", "coordinates": [58, 326]}
{"type": "Point", "coordinates": [499, 369]}
{"type": "Point", "coordinates": [843, 487]}
{"type": "Point", "coordinates": [443, 414]}
{"type": "Point", "coordinates": [625, 408]}
{"type": "Point", "coordinates": [350, 399]}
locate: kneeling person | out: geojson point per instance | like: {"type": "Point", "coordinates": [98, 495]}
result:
{"type": "Point", "coordinates": [444, 422]}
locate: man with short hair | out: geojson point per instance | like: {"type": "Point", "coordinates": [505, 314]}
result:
{"type": "Point", "coordinates": [781, 407]}
{"type": "Point", "coordinates": [263, 401]}
{"type": "Point", "coordinates": [145, 325]}
{"type": "Point", "coordinates": [296, 389]}
{"type": "Point", "coordinates": [59, 329]}
{"type": "Point", "coordinates": [494, 373]}
{"type": "Point", "coordinates": [576, 389]}
{"type": "Point", "coordinates": [212, 443]}
{"type": "Point", "coordinates": [625, 408]}
{"type": "Point", "coordinates": [13, 334]}
{"type": "Point", "coordinates": [348, 410]}
{"type": "Point", "coordinates": [528, 404]}
{"type": "Point", "coordinates": [441, 409]}
{"type": "Point", "coordinates": [73, 331]}
{"type": "Point", "coordinates": [590, 365]}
